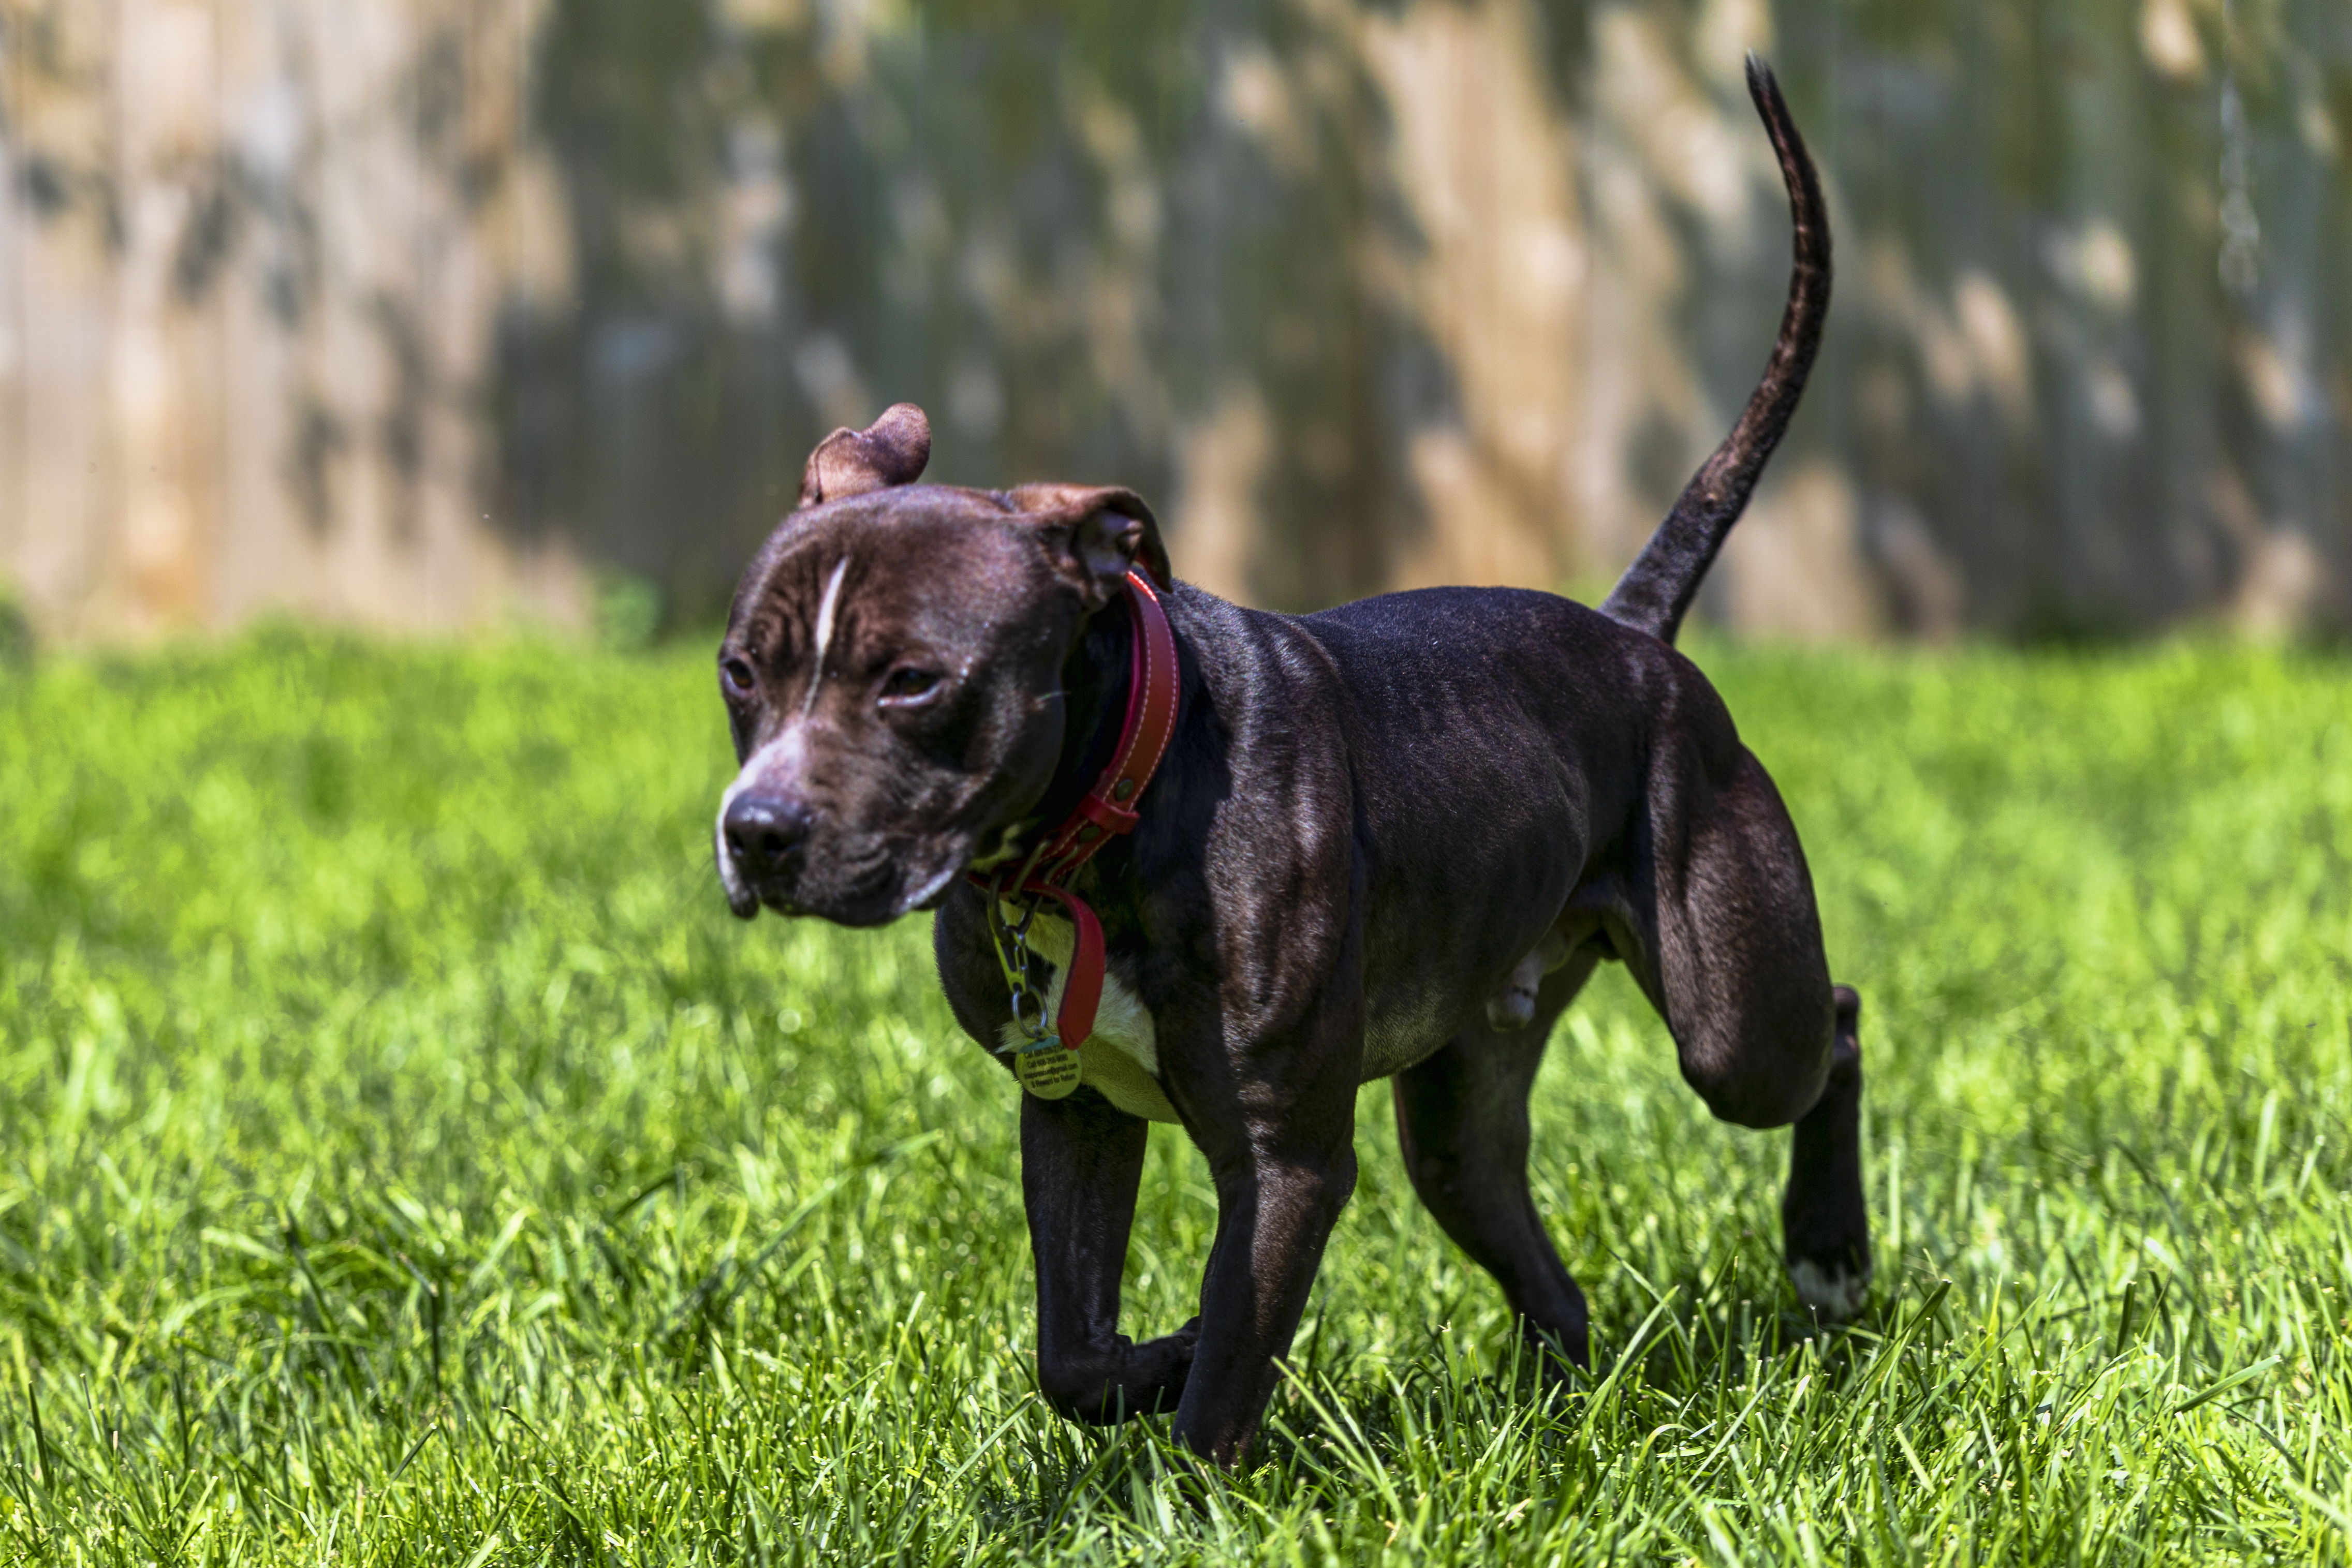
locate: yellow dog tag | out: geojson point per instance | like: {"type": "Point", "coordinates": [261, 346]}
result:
{"type": "Point", "coordinates": [1049, 1074]}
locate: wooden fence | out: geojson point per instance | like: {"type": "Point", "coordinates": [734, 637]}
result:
{"type": "Point", "coordinates": [425, 313]}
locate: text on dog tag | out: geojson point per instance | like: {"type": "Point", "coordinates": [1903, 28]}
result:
{"type": "Point", "coordinates": [1050, 1073]}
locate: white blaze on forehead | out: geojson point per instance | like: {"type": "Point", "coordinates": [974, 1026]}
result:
{"type": "Point", "coordinates": [824, 632]}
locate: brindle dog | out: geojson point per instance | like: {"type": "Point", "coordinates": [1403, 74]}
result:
{"type": "Point", "coordinates": [1388, 839]}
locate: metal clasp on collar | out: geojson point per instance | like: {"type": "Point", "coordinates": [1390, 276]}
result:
{"type": "Point", "coordinates": [1010, 941]}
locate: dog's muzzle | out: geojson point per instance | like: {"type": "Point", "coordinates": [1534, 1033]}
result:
{"type": "Point", "coordinates": [764, 850]}
{"type": "Point", "coordinates": [762, 835]}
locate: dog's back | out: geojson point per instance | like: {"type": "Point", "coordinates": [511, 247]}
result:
{"type": "Point", "coordinates": [1471, 852]}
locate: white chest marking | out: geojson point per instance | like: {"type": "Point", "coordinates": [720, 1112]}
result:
{"type": "Point", "coordinates": [823, 633]}
{"type": "Point", "coordinates": [1124, 1039]}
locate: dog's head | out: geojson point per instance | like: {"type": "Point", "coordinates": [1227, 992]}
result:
{"type": "Point", "coordinates": [893, 673]}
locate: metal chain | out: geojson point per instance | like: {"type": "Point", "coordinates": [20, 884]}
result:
{"type": "Point", "coordinates": [1011, 941]}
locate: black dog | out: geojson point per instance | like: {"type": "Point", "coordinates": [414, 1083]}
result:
{"type": "Point", "coordinates": [1388, 839]}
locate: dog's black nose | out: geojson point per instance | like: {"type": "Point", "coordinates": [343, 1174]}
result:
{"type": "Point", "coordinates": [765, 831]}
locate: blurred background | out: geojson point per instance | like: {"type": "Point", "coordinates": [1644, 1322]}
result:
{"type": "Point", "coordinates": [431, 313]}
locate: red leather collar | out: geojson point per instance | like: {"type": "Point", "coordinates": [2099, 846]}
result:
{"type": "Point", "coordinates": [1109, 807]}
{"type": "Point", "coordinates": [1107, 810]}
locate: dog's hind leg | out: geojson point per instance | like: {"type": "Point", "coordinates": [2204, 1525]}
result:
{"type": "Point", "coordinates": [1765, 1039]}
{"type": "Point", "coordinates": [1461, 1120]}
{"type": "Point", "coordinates": [1823, 1218]}
{"type": "Point", "coordinates": [1732, 955]}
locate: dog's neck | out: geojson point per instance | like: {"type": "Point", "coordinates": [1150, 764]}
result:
{"type": "Point", "coordinates": [1095, 681]}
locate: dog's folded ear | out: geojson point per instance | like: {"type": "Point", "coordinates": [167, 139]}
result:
{"type": "Point", "coordinates": [1094, 534]}
{"type": "Point", "coordinates": [890, 450]}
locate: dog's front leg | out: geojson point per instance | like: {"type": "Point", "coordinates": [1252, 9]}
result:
{"type": "Point", "coordinates": [1280, 1146]}
{"type": "Point", "coordinates": [1081, 1162]}
{"type": "Point", "coordinates": [1275, 1207]}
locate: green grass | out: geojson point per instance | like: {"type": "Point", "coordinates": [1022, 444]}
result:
{"type": "Point", "coordinates": [403, 1159]}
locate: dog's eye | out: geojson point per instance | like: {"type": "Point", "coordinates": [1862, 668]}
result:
{"type": "Point", "coordinates": [736, 673]}
{"type": "Point", "coordinates": [908, 684]}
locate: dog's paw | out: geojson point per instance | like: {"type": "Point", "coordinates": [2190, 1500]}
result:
{"type": "Point", "coordinates": [1836, 1289]}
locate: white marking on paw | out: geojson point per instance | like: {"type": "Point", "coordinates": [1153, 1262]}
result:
{"type": "Point", "coordinates": [1834, 1291]}
{"type": "Point", "coordinates": [823, 633]}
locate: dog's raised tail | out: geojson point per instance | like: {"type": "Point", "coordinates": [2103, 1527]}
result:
{"type": "Point", "coordinates": [1657, 588]}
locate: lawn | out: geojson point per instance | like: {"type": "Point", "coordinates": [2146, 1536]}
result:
{"type": "Point", "coordinates": [404, 1158]}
